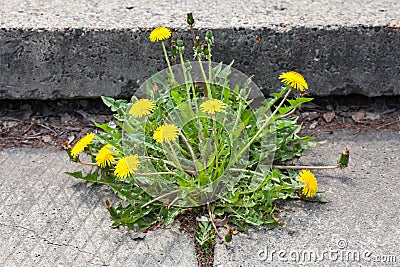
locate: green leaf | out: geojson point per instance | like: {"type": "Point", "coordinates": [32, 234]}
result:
{"type": "Point", "coordinates": [157, 78]}
{"type": "Point", "coordinates": [298, 101]}
{"type": "Point", "coordinates": [284, 110]}
{"type": "Point", "coordinates": [228, 238]}
{"type": "Point", "coordinates": [78, 174]}
{"type": "Point", "coordinates": [108, 101]}
{"type": "Point", "coordinates": [105, 126]}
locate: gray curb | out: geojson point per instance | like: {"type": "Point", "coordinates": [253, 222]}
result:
{"type": "Point", "coordinates": [46, 52]}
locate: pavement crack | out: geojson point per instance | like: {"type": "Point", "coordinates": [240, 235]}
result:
{"type": "Point", "coordinates": [49, 242]}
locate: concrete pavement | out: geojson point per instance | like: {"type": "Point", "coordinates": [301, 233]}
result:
{"type": "Point", "coordinates": [50, 219]}
{"type": "Point", "coordinates": [359, 226]}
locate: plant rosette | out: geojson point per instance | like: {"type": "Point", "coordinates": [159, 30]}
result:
{"type": "Point", "coordinates": [201, 134]}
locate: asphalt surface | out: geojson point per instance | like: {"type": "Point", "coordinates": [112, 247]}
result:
{"type": "Point", "coordinates": [50, 219]}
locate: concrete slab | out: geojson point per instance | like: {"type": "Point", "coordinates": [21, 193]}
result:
{"type": "Point", "coordinates": [84, 49]}
{"type": "Point", "coordinates": [357, 227]}
{"type": "Point", "coordinates": [50, 219]}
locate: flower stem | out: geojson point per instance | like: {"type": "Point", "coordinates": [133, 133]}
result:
{"type": "Point", "coordinates": [190, 150]}
{"type": "Point", "coordinates": [185, 76]}
{"type": "Point", "coordinates": [173, 202]}
{"type": "Point", "coordinates": [193, 88]}
{"type": "Point", "coordinates": [208, 92]}
{"type": "Point", "coordinates": [154, 173]}
{"type": "Point", "coordinates": [215, 144]}
{"type": "Point", "coordinates": [163, 160]}
{"type": "Point", "coordinates": [167, 60]}
{"type": "Point", "coordinates": [199, 133]}
{"type": "Point", "coordinates": [174, 156]}
{"type": "Point", "coordinates": [210, 73]}
{"type": "Point", "coordinates": [239, 113]}
{"type": "Point", "coordinates": [287, 114]}
{"type": "Point", "coordinates": [187, 144]}
{"type": "Point", "coordinates": [192, 31]}
{"type": "Point", "coordinates": [148, 122]}
{"type": "Point", "coordinates": [158, 198]}
{"type": "Point", "coordinates": [244, 170]}
{"type": "Point", "coordinates": [266, 123]}
{"type": "Point", "coordinates": [212, 222]}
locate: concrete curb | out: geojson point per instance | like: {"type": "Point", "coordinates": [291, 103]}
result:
{"type": "Point", "coordinates": [83, 50]}
{"type": "Point", "coordinates": [76, 63]}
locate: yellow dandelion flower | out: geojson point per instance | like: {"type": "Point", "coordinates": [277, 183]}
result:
{"type": "Point", "coordinates": [126, 166]}
{"type": "Point", "coordinates": [295, 80]}
{"type": "Point", "coordinates": [212, 106]}
{"type": "Point", "coordinates": [105, 156]}
{"type": "Point", "coordinates": [311, 185]}
{"type": "Point", "coordinates": [142, 107]}
{"type": "Point", "coordinates": [166, 133]}
{"type": "Point", "coordinates": [160, 34]}
{"type": "Point", "coordinates": [82, 144]}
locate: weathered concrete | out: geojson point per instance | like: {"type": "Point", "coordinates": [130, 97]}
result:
{"type": "Point", "coordinates": [84, 49]}
{"type": "Point", "coordinates": [114, 14]}
{"type": "Point", "coordinates": [50, 219]}
{"type": "Point", "coordinates": [357, 227]}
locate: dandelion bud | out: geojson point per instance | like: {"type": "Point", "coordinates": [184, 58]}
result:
{"type": "Point", "coordinates": [206, 51]}
{"type": "Point", "coordinates": [108, 204]}
{"type": "Point", "coordinates": [179, 43]}
{"type": "Point", "coordinates": [181, 48]}
{"type": "Point", "coordinates": [187, 65]}
{"type": "Point", "coordinates": [209, 37]}
{"type": "Point", "coordinates": [110, 208]}
{"type": "Point", "coordinates": [343, 161]}
{"type": "Point", "coordinates": [197, 42]}
{"type": "Point", "coordinates": [189, 19]}
{"type": "Point", "coordinates": [173, 51]}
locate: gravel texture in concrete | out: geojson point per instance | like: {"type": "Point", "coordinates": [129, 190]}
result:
{"type": "Point", "coordinates": [357, 227]}
{"type": "Point", "coordinates": [50, 219]}
{"type": "Point", "coordinates": [114, 14]}
{"type": "Point", "coordinates": [82, 49]}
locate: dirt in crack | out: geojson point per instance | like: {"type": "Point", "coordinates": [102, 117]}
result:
{"type": "Point", "coordinates": [188, 223]}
